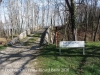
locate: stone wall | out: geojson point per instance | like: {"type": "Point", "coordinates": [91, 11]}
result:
{"type": "Point", "coordinates": [47, 36]}
{"type": "Point", "coordinates": [23, 35]}
{"type": "Point", "coordinates": [28, 31]}
{"type": "Point", "coordinates": [13, 41]}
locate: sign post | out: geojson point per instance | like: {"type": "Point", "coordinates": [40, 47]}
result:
{"type": "Point", "coordinates": [83, 51]}
{"type": "Point", "coordinates": [71, 44]}
{"type": "Point", "coordinates": [56, 36]}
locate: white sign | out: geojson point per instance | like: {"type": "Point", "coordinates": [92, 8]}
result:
{"type": "Point", "coordinates": [72, 44]}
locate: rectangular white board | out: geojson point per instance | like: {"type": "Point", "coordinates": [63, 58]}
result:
{"type": "Point", "coordinates": [71, 44]}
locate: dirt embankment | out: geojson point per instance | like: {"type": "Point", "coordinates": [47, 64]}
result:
{"type": "Point", "coordinates": [80, 35]}
{"type": "Point", "coordinates": [3, 41]}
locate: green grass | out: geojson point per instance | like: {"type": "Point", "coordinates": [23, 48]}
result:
{"type": "Point", "coordinates": [30, 41]}
{"type": "Point", "coordinates": [71, 62]}
{"type": "Point", "coordinates": [13, 36]}
{"type": "Point", "coordinates": [35, 35]}
{"type": "Point", "coordinates": [33, 39]}
{"type": "Point", "coordinates": [2, 47]}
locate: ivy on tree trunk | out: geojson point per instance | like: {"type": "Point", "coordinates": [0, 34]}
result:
{"type": "Point", "coordinates": [72, 13]}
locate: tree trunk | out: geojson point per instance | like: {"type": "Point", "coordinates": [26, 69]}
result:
{"type": "Point", "coordinates": [72, 13]}
{"type": "Point", "coordinates": [74, 29]}
{"type": "Point", "coordinates": [85, 38]}
{"type": "Point", "coordinates": [95, 34]}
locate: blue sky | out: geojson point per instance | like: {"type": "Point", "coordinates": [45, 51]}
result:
{"type": "Point", "coordinates": [99, 3]}
{"type": "Point", "coordinates": [3, 7]}
{"type": "Point", "coordinates": [3, 10]}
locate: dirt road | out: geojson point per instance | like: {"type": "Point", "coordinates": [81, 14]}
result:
{"type": "Point", "coordinates": [19, 59]}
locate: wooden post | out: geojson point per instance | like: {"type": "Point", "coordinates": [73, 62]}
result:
{"type": "Point", "coordinates": [56, 32]}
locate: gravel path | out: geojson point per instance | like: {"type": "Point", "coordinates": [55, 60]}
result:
{"type": "Point", "coordinates": [19, 60]}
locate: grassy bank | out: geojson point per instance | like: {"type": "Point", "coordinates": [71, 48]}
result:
{"type": "Point", "coordinates": [33, 39]}
{"type": "Point", "coordinates": [71, 62]}
{"type": "Point", "coordinates": [2, 47]}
